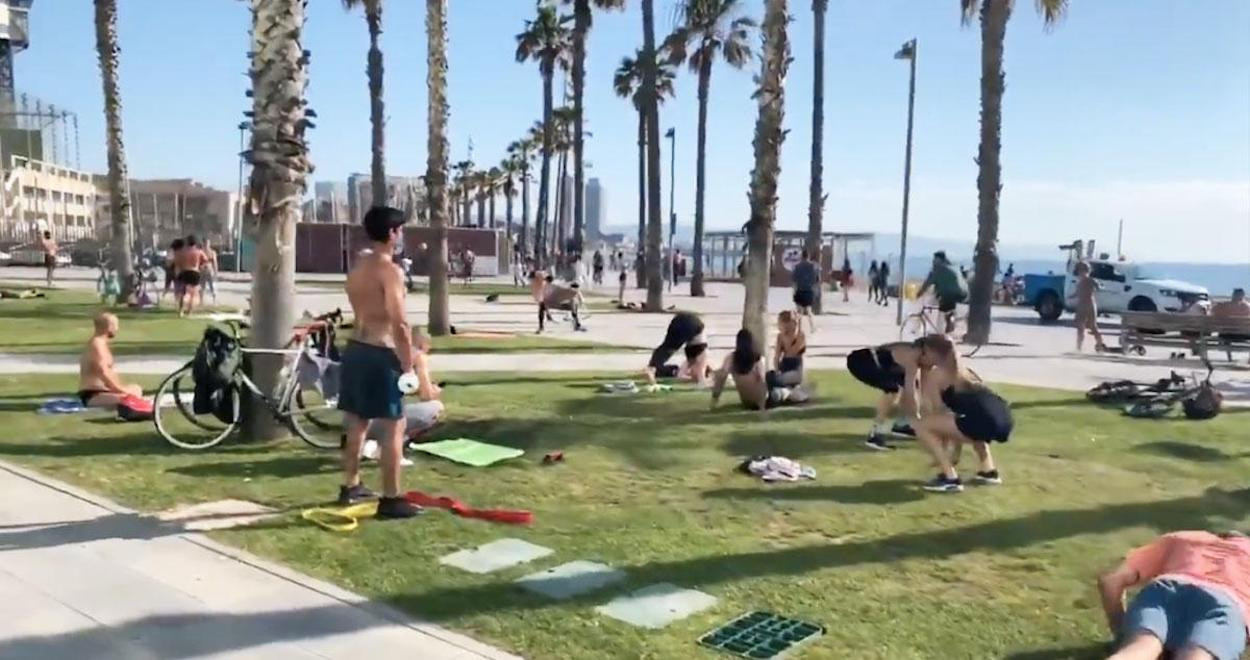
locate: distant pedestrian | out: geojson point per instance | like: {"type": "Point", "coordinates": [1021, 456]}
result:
{"type": "Point", "coordinates": [883, 283]}
{"type": "Point", "coordinates": [872, 281]}
{"type": "Point", "coordinates": [597, 262]}
{"type": "Point", "coordinates": [49, 247]}
{"type": "Point", "coordinates": [1086, 306]}
{"type": "Point", "coordinates": [806, 280]}
{"type": "Point", "coordinates": [848, 279]}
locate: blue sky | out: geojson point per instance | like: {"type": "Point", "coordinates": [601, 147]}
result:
{"type": "Point", "coordinates": [1133, 109]}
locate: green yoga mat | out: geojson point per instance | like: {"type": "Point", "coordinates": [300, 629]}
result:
{"type": "Point", "coordinates": [468, 452]}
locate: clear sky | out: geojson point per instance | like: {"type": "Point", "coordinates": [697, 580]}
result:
{"type": "Point", "coordinates": [1133, 109]}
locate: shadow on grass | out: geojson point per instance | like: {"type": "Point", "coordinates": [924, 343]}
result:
{"type": "Point", "coordinates": [890, 491]}
{"type": "Point", "coordinates": [282, 466]}
{"type": "Point", "coordinates": [1214, 509]}
{"type": "Point", "coordinates": [1085, 652]}
{"type": "Point", "coordinates": [1055, 403]}
{"type": "Point", "coordinates": [1185, 451]}
{"type": "Point", "coordinates": [792, 445]}
{"type": "Point", "coordinates": [663, 409]}
{"type": "Point", "coordinates": [140, 443]}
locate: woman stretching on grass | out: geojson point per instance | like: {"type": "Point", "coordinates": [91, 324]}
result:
{"type": "Point", "coordinates": [746, 365]}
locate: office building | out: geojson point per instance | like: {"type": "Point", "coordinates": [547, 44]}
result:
{"type": "Point", "coordinates": [403, 192]}
{"type": "Point", "coordinates": [595, 205]}
{"type": "Point", "coordinates": [329, 203]}
{"type": "Point", "coordinates": [165, 209]}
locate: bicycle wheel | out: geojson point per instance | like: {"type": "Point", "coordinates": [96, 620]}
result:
{"type": "Point", "coordinates": [914, 327]}
{"type": "Point", "coordinates": [1151, 408]}
{"type": "Point", "coordinates": [1112, 392]}
{"type": "Point", "coordinates": [315, 418]}
{"type": "Point", "coordinates": [180, 426]}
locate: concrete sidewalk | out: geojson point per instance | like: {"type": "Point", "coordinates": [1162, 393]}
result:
{"type": "Point", "coordinates": [81, 577]}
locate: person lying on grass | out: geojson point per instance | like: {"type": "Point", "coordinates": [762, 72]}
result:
{"type": "Point", "coordinates": [685, 331]}
{"type": "Point", "coordinates": [1195, 602]}
{"type": "Point", "coordinates": [99, 386]}
{"type": "Point", "coordinates": [956, 408]}
{"type": "Point", "coordinates": [746, 365]}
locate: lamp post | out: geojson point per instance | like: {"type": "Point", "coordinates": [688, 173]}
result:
{"type": "Point", "coordinates": [672, 207]}
{"type": "Point", "coordinates": [238, 231]}
{"type": "Point", "coordinates": [907, 52]}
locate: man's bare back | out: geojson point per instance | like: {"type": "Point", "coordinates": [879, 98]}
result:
{"type": "Point", "coordinates": [375, 289]}
{"type": "Point", "coordinates": [190, 258]}
{"type": "Point", "coordinates": [95, 365]}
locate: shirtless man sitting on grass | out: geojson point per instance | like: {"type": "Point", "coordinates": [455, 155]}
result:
{"type": "Point", "coordinates": [99, 386]}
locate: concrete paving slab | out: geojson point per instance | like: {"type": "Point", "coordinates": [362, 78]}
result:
{"type": "Point", "coordinates": [495, 556]}
{"type": "Point", "coordinates": [572, 579]}
{"type": "Point", "coordinates": [657, 606]}
{"type": "Point", "coordinates": [219, 514]}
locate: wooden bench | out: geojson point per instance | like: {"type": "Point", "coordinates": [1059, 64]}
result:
{"type": "Point", "coordinates": [1192, 331]}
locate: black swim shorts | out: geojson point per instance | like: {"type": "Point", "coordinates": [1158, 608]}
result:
{"type": "Point", "coordinates": [980, 414]}
{"type": "Point", "coordinates": [189, 277]}
{"type": "Point", "coordinates": [804, 297]}
{"type": "Point", "coordinates": [877, 369]}
{"type": "Point", "coordinates": [948, 303]}
{"type": "Point", "coordinates": [369, 382]}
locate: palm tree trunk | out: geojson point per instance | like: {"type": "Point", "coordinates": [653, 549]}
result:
{"type": "Point", "coordinates": [581, 26]}
{"type": "Point", "coordinates": [507, 212]}
{"type": "Point", "coordinates": [816, 197]}
{"type": "Point", "coordinates": [490, 195]}
{"type": "Point", "coordinates": [769, 135]}
{"type": "Point", "coordinates": [525, 207]}
{"type": "Point", "coordinates": [994, 15]}
{"type": "Point", "coordinates": [544, 183]}
{"type": "Point", "coordinates": [280, 166]}
{"type": "Point", "coordinates": [639, 267]}
{"type": "Point", "coordinates": [466, 214]}
{"type": "Point", "coordinates": [377, 111]}
{"type": "Point", "coordinates": [481, 210]}
{"type": "Point", "coordinates": [119, 201]}
{"type": "Point", "coordinates": [700, 180]}
{"type": "Point", "coordinates": [562, 216]}
{"type": "Point", "coordinates": [650, 104]}
{"type": "Point", "coordinates": [436, 161]}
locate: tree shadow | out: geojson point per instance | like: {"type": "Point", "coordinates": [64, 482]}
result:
{"type": "Point", "coordinates": [1214, 509]}
{"type": "Point", "coordinates": [282, 467]}
{"type": "Point", "coordinates": [142, 443]}
{"type": "Point", "coordinates": [113, 526]}
{"type": "Point", "coordinates": [888, 491]}
{"type": "Point", "coordinates": [473, 381]}
{"type": "Point", "coordinates": [1053, 403]}
{"type": "Point", "coordinates": [792, 445]}
{"type": "Point", "coordinates": [1092, 651]}
{"type": "Point", "coordinates": [1185, 451]}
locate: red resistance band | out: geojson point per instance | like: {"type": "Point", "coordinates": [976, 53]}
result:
{"type": "Point", "coordinates": [465, 511]}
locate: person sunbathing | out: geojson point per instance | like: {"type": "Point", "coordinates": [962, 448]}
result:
{"type": "Point", "coordinates": [956, 408]}
{"type": "Point", "coordinates": [746, 365]}
{"type": "Point", "coordinates": [99, 386]}
{"type": "Point", "coordinates": [685, 330]}
{"type": "Point", "coordinates": [1195, 602]}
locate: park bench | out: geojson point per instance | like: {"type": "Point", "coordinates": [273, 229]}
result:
{"type": "Point", "coordinates": [1195, 332]}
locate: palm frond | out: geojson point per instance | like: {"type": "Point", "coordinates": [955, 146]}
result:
{"type": "Point", "coordinates": [1052, 11]}
{"type": "Point", "coordinates": [968, 10]}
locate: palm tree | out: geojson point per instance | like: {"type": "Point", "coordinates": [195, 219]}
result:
{"type": "Point", "coordinates": [494, 178]}
{"type": "Point", "coordinates": [509, 170]}
{"type": "Point", "coordinates": [482, 184]}
{"type": "Point", "coordinates": [521, 151]}
{"type": "Point", "coordinates": [377, 110]}
{"type": "Point", "coordinates": [463, 187]}
{"type": "Point", "coordinates": [436, 161]}
{"type": "Point", "coordinates": [993, 15]}
{"type": "Point", "coordinates": [119, 201]}
{"type": "Point", "coordinates": [816, 199]}
{"type": "Point", "coordinates": [546, 40]}
{"type": "Point", "coordinates": [707, 28]}
{"type": "Point", "coordinates": [628, 85]}
{"type": "Point", "coordinates": [769, 134]}
{"type": "Point", "coordinates": [651, 109]}
{"type": "Point", "coordinates": [280, 166]}
{"type": "Point", "coordinates": [582, 19]}
{"type": "Point", "coordinates": [563, 118]}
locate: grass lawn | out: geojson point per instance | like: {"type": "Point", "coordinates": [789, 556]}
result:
{"type": "Point", "coordinates": [61, 323]}
{"type": "Point", "coordinates": [649, 485]}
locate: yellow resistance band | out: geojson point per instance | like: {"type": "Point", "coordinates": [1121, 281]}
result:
{"type": "Point", "coordinates": [343, 519]}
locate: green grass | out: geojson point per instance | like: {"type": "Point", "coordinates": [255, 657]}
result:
{"type": "Point", "coordinates": [61, 323]}
{"type": "Point", "coordinates": [649, 485]}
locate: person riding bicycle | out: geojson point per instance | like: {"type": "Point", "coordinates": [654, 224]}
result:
{"type": "Point", "coordinates": [949, 286]}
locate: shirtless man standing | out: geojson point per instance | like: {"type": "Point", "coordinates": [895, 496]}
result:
{"type": "Point", "coordinates": [379, 352]}
{"type": "Point", "coordinates": [98, 383]}
{"type": "Point", "coordinates": [187, 264]}
{"type": "Point", "coordinates": [48, 245]}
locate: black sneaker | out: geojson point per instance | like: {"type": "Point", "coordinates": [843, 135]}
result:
{"type": "Point", "coordinates": [354, 494]}
{"type": "Point", "coordinates": [395, 508]}
{"type": "Point", "coordinates": [877, 443]}
{"type": "Point", "coordinates": [903, 429]}
{"type": "Point", "coordinates": [941, 484]}
{"type": "Point", "coordinates": [990, 478]}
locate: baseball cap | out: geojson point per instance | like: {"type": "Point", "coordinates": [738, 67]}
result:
{"type": "Point", "coordinates": [380, 220]}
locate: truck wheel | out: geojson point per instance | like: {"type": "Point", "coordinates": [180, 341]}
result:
{"type": "Point", "coordinates": [1048, 306]}
{"type": "Point", "coordinates": [1142, 304]}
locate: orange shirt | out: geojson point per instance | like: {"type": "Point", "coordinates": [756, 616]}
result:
{"type": "Point", "coordinates": [1200, 558]}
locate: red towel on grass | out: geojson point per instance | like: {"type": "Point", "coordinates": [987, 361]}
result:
{"type": "Point", "coordinates": [465, 511]}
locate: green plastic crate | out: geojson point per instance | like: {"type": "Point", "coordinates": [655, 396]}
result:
{"type": "Point", "coordinates": [761, 635]}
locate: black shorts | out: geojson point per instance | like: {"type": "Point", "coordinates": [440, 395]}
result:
{"type": "Point", "coordinates": [189, 278]}
{"type": "Point", "coordinates": [369, 382]}
{"type": "Point", "coordinates": [877, 369]}
{"type": "Point", "coordinates": [693, 351]}
{"type": "Point", "coordinates": [948, 303]}
{"type": "Point", "coordinates": [980, 414]}
{"type": "Point", "coordinates": [804, 297]}
{"type": "Point", "coordinates": [49, 261]}
{"type": "Point", "coordinates": [684, 328]}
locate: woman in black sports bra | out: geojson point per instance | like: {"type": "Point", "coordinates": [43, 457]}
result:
{"type": "Point", "coordinates": [788, 354]}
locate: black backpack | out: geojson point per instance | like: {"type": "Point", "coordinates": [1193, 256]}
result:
{"type": "Point", "coordinates": [216, 360]}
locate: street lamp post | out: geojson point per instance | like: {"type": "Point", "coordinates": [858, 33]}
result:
{"type": "Point", "coordinates": [907, 52]}
{"type": "Point", "coordinates": [672, 207]}
{"type": "Point", "coordinates": [238, 232]}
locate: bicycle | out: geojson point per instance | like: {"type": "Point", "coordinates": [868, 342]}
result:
{"type": "Point", "coordinates": [1121, 392]}
{"type": "Point", "coordinates": [929, 320]}
{"type": "Point", "coordinates": [306, 411]}
{"type": "Point", "coordinates": [1163, 402]}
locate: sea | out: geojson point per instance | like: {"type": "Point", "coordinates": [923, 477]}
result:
{"type": "Point", "coordinates": [1219, 279]}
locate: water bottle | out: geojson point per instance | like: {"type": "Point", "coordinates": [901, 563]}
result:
{"type": "Point", "coordinates": [408, 383]}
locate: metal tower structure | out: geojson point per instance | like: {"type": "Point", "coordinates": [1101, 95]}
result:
{"type": "Point", "coordinates": [14, 38]}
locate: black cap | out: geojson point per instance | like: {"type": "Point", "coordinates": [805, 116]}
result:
{"type": "Point", "coordinates": [380, 220]}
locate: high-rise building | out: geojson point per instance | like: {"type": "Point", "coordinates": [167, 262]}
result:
{"type": "Point", "coordinates": [165, 209]}
{"type": "Point", "coordinates": [403, 192]}
{"type": "Point", "coordinates": [329, 202]}
{"type": "Point", "coordinates": [595, 204]}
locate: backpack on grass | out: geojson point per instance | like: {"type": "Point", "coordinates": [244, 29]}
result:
{"type": "Point", "coordinates": [216, 360]}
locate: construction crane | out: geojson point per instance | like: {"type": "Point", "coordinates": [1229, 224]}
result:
{"type": "Point", "coordinates": [14, 38]}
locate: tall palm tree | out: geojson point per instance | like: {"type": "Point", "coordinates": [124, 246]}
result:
{"type": "Point", "coordinates": [482, 188]}
{"type": "Point", "coordinates": [628, 84]}
{"type": "Point", "coordinates": [280, 167]}
{"type": "Point", "coordinates": [707, 30]}
{"type": "Point", "coordinates": [494, 178]}
{"type": "Point", "coordinates": [564, 118]}
{"type": "Point", "coordinates": [545, 40]}
{"type": "Point", "coordinates": [463, 187]}
{"type": "Point", "coordinates": [816, 195]}
{"type": "Point", "coordinates": [651, 109]}
{"type": "Point", "coordinates": [521, 151]}
{"type": "Point", "coordinates": [769, 134]}
{"type": "Point", "coordinates": [436, 161]}
{"type": "Point", "coordinates": [582, 20]}
{"type": "Point", "coordinates": [509, 171]}
{"type": "Point", "coordinates": [119, 201]}
{"type": "Point", "coordinates": [993, 15]}
{"type": "Point", "coordinates": [377, 109]}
